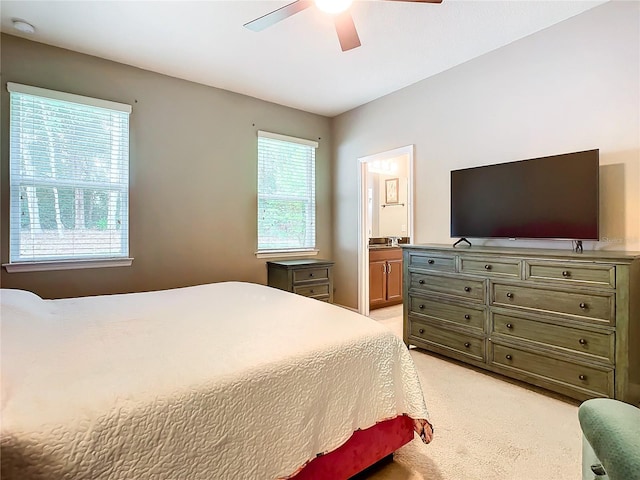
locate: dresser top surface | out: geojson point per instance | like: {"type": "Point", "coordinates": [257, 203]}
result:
{"type": "Point", "coordinates": [588, 255]}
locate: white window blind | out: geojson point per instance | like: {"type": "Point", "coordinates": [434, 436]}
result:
{"type": "Point", "coordinates": [286, 193]}
{"type": "Point", "coordinates": [69, 177]}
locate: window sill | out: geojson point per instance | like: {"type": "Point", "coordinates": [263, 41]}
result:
{"type": "Point", "coordinates": [286, 253]}
{"type": "Point", "coordinates": [66, 265]}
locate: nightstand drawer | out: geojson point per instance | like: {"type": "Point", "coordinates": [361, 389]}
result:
{"type": "Point", "coordinates": [313, 290]}
{"type": "Point", "coordinates": [585, 342]}
{"type": "Point", "coordinates": [595, 306]}
{"type": "Point", "coordinates": [305, 275]}
{"type": "Point", "coordinates": [462, 287]}
{"type": "Point", "coordinates": [310, 277]}
{"type": "Point", "coordinates": [469, 316]}
{"type": "Point", "coordinates": [597, 275]}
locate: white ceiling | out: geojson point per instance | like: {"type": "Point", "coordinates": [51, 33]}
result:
{"type": "Point", "coordinates": [297, 62]}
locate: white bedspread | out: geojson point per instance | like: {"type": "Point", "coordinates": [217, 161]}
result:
{"type": "Point", "coordinates": [222, 381]}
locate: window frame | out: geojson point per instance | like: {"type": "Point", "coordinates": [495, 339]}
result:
{"type": "Point", "coordinates": [293, 251]}
{"type": "Point", "coordinates": [80, 261]}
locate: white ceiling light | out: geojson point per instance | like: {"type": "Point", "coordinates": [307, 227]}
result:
{"type": "Point", "coordinates": [23, 26]}
{"type": "Point", "coordinates": [333, 6]}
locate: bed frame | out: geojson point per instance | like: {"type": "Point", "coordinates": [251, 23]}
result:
{"type": "Point", "coordinates": [363, 449]}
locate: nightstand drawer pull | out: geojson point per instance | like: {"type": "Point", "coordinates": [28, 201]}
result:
{"type": "Point", "coordinates": [467, 344]}
{"type": "Point", "coordinates": [467, 289]}
{"type": "Point", "coordinates": [421, 330]}
{"type": "Point", "coordinates": [583, 305]}
{"type": "Point", "coordinates": [509, 295]}
{"type": "Point", "coordinates": [421, 307]}
{"type": "Point", "coordinates": [509, 326]}
{"type": "Point", "coordinates": [566, 274]}
{"type": "Point", "coordinates": [311, 274]}
{"type": "Point", "coordinates": [508, 357]}
{"type": "Point", "coordinates": [582, 341]}
{"type": "Point", "coordinates": [467, 316]}
{"type": "Point", "coordinates": [431, 261]}
{"type": "Point", "coordinates": [487, 267]}
{"type": "Point", "coordinates": [421, 282]}
{"type": "Point", "coordinates": [582, 377]}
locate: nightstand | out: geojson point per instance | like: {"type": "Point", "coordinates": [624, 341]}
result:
{"type": "Point", "coordinates": [311, 278]}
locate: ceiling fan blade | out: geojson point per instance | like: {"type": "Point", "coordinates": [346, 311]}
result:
{"type": "Point", "coordinates": [346, 30]}
{"type": "Point", "coordinates": [417, 1]}
{"type": "Point", "coordinates": [269, 19]}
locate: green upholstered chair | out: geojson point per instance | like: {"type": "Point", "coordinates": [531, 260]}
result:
{"type": "Point", "coordinates": [611, 440]}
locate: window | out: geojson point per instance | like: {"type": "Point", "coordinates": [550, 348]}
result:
{"type": "Point", "coordinates": [69, 178]}
{"type": "Point", "coordinates": [286, 193]}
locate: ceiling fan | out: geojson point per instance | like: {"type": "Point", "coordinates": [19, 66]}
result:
{"type": "Point", "coordinates": [345, 28]}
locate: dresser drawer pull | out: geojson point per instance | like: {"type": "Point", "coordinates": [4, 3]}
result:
{"type": "Point", "coordinates": [421, 330]}
{"type": "Point", "coordinates": [467, 344]}
{"type": "Point", "coordinates": [509, 295]}
{"type": "Point", "coordinates": [566, 274]}
{"type": "Point", "coordinates": [421, 307]}
{"type": "Point", "coordinates": [431, 261]}
{"type": "Point", "coordinates": [467, 289]}
{"type": "Point", "coordinates": [311, 274]}
{"type": "Point", "coordinates": [582, 341]}
{"type": "Point", "coordinates": [467, 316]}
{"type": "Point", "coordinates": [487, 267]}
{"type": "Point", "coordinates": [508, 357]}
{"type": "Point", "coordinates": [509, 326]}
{"type": "Point", "coordinates": [421, 282]}
{"type": "Point", "coordinates": [582, 377]}
{"type": "Point", "coordinates": [583, 306]}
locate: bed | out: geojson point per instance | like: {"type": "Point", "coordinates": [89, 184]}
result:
{"type": "Point", "coordinates": [220, 381]}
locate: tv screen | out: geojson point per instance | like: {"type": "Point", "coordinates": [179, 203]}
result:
{"type": "Point", "coordinates": [550, 197]}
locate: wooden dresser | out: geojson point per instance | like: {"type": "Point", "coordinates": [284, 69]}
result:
{"type": "Point", "coordinates": [311, 278]}
{"type": "Point", "coordinates": [568, 322]}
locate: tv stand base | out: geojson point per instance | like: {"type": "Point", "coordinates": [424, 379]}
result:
{"type": "Point", "coordinates": [462, 240]}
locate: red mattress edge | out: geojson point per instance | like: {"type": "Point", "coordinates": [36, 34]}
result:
{"type": "Point", "coordinates": [363, 449]}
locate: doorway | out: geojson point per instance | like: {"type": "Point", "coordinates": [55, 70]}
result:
{"type": "Point", "coordinates": [385, 183]}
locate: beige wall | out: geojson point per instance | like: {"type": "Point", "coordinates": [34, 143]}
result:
{"type": "Point", "coordinates": [574, 86]}
{"type": "Point", "coordinates": [193, 173]}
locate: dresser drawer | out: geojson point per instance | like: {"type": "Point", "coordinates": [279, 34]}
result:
{"type": "Point", "coordinates": [598, 380]}
{"type": "Point", "coordinates": [469, 316]}
{"type": "Point", "coordinates": [595, 344]}
{"type": "Point", "coordinates": [441, 263]}
{"type": "Point", "coordinates": [317, 290]}
{"type": "Point", "coordinates": [490, 266]}
{"type": "Point", "coordinates": [468, 345]}
{"type": "Point", "coordinates": [593, 306]}
{"type": "Point", "coordinates": [462, 287]}
{"type": "Point", "coordinates": [598, 275]}
{"type": "Point", "coordinates": [304, 275]}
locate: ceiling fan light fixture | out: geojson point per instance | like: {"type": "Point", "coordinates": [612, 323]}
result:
{"type": "Point", "coordinates": [333, 6]}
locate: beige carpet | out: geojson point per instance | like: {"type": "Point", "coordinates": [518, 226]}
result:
{"type": "Point", "coordinates": [486, 427]}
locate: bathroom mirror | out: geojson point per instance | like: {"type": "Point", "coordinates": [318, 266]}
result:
{"type": "Point", "coordinates": [387, 197]}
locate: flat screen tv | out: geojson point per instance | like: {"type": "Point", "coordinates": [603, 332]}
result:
{"type": "Point", "coordinates": [552, 197]}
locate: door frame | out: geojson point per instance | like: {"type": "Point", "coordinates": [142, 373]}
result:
{"type": "Point", "coordinates": [363, 224]}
